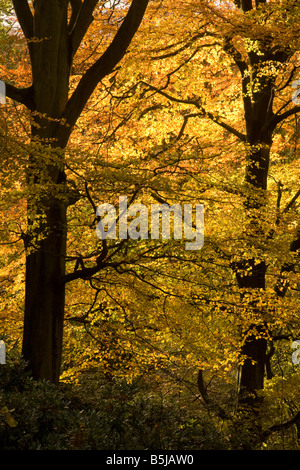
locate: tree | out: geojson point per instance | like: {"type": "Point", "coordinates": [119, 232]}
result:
{"type": "Point", "coordinates": [206, 117]}
{"type": "Point", "coordinates": [260, 44]}
{"type": "Point", "coordinates": [54, 32]}
{"type": "Point", "coordinates": [259, 67]}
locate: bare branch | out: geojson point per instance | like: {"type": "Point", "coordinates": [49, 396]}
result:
{"type": "Point", "coordinates": [183, 46]}
{"type": "Point", "coordinates": [88, 272]}
{"type": "Point", "coordinates": [75, 5]}
{"type": "Point", "coordinates": [82, 17]}
{"type": "Point", "coordinates": [105, 64]}
{"type": "Point", "coordinates": [234, 54]}
{"type": "Point", "coordinates": [203, 392]}
{"type": "Point", "coordinates": [277, 118]}
{"type": "Point", "coordinates": [25, 19]}
{"type": "Point", "coordinates": [292, 201]}
{"type": "Point", "coordinates": [21, 95]}
{"type": "Point", "coordinates": [281, 427]}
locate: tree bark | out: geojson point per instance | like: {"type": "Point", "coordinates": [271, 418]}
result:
{"type": "Point", "coordinates": [45, 299]}
{"type": "Point", "coordinates": [252, 276]}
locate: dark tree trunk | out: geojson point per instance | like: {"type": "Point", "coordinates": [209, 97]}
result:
{"type": "Point", "coordinates": [45, 298]}
{"type": "Point", "coordinates": [47, 225]}
{"type": "Point", "coordinates": [252, 276]}
{"type": "Point", "coordinates": [258, 95]}
{"type": "Point", "coordinates": [252, 272]}
{"type": "Point", "coordinates": [53, 39]}
{"type": "Point", "coordinates": [258, 88]}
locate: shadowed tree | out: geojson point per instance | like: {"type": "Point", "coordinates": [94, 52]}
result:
{"type": "Point", "coordinates": [266, 66]}
{"type": "Point", "coordinates": [54, 31]}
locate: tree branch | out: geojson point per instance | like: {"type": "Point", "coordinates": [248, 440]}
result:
{"type": "Point", "coordinates": [282, 284]}
{"type": "Point", "coordinates": [86, 273]}
{"type": "Point", "coordinates": [81, 18]}
{"type": "Point", "coordinates": [225, 126]}
{"type": "Point", "coordinates": [244, 5]}
{"type": "Point", "coordinates": [277, 118]}
{"type": "Point", "coordinates": [291, 202]}
{"type": "Point", "coordinates": [203, 391]}
{"type": "Point", "coordinates": [281, 426]}
{"type": "Point", "coordinates": [75, 5]}
{"type": "Point", "coordinates": [234, 54]}
{"type": "Point", "coordinates": [105, 64]}
{"type": "Point", "coordinates": [25, 19]}
{"type": "Point", "coordinates": [183, 46]}
{"type": "Point", "coordinates": [24, 16]}
{"type": "Point", "coordinates": [203, 112]}
{"type": "Point", "coordinates": [21, 95]}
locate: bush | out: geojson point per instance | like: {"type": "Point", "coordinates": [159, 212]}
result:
{"type": "Point", "coordinates": [37, 415]}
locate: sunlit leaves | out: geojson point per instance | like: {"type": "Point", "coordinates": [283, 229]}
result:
{"type": "Point", "coordinates": [169, 125]}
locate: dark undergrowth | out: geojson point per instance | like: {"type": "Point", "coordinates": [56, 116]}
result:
{"type": "Point", "coordinates": [36, 415]}
{"type": "Point", "coordinates": [96, 414]}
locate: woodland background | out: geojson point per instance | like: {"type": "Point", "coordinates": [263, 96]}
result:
{"type": "Point", "coordinates": [140, 344]}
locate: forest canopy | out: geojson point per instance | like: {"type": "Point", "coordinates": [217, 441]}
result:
{"type": "Point", "coordinates": [168, 104]}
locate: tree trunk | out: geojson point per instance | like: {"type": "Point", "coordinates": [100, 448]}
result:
{"type": "Point", "coordinates": [44, 300]}
{"type": "Point", "coordinates": [255, 347]}
{"type": "Point", "coordinates": [251, 273]}
{"type": "Point", "coordinates": [47, 205]}
{"type": "Point", "coordinates": [52, 44]}
{"type": "Point", "coordinates": [251, 278]}
{"type": "Point", "coordinates": [258, 88]}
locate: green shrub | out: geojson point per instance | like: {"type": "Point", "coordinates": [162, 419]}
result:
{"type": "Point", "coordinates": [40, 412]}
{"type": "Point", "coordinates": [120, 416]}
